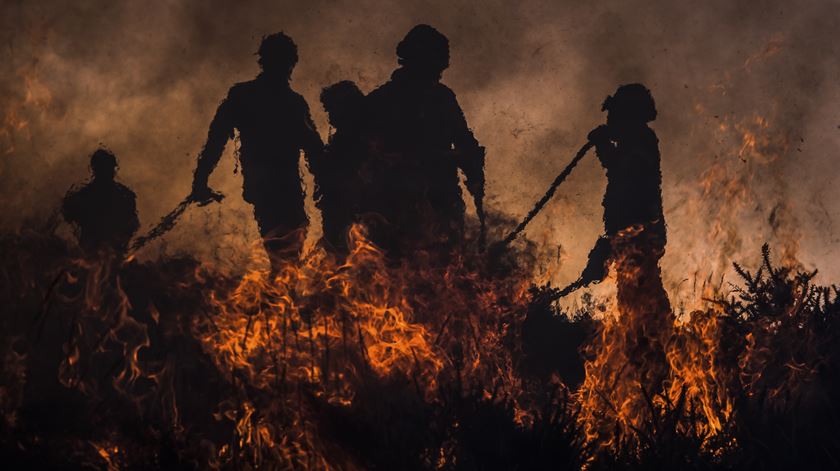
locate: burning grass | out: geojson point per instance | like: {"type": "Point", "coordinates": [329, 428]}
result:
{"type": "Point", "coordinates": [366, 364]}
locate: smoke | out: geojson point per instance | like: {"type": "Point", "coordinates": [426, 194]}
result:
{"type": "Point", "coordinates": [144, 78]}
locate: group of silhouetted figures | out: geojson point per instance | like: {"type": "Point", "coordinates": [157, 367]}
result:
{"type": "Point", "coordinates": [392, 164]}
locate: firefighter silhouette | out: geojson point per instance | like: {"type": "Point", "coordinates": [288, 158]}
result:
{"type": "Point", "coordinates": [635, 233]}
{"type": "Point", "coordinates": [340, 186]}
{"type": "Point", "coordinates": [419, 139]}
{"type": "Point", "coordinates": [103, 211]}
{"type": "Point", "coordinates": [274, 125]}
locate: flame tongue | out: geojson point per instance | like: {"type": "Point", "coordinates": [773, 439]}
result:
{"type": "Point", "coordinates": [327, 328]}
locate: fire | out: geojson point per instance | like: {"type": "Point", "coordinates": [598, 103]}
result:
{"type": "Point", "coordinates": [359, 313]}
{"type": "Point", "coordinates": [647, 376]}
{"type": "Point", "coordinates": [697, 375]}
{"type": "Point", "coordinates": [277, 361]}
{"type": "Point", "coordinates": [110, 454]}
{"type": "Point", "coordinates": [742, 199]}
{"type": "Point", "coordinates": [319, 331]}
{"type": "Point", "coordinates": [326, 327]}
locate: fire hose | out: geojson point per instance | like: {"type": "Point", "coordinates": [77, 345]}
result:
{"type": "Point", "coordinates": [547, 196]}
{"type": "Point", "coordinates": [554, 293]}
{"type": "Point", "coordinates": [168, 222]}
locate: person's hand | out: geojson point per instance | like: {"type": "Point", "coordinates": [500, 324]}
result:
{"type": "Point", "coordinates": [600, 134]}
{"type": "Point", "coordinates": [203, 194]}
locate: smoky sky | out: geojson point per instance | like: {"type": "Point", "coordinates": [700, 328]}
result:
{"type": "Point", "coordinates": [747, 93]}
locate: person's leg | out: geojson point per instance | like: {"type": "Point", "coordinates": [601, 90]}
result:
{"type": "Point", "coordinates": [636, 255]}
{"type": "Point", "coordinates": [336, 224]}
{"type": "Point", "coordinates": [284, 244]}
{"type": "Point", "coordinates": [283, 233]}
{"type": "Point", "coordinates": [652, 247]}
{"type": "Point", "coordinates": [439, 225]}
{"type": "Point", "coordinates": [643, 304]}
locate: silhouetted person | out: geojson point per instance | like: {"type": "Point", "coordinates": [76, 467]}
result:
{"type": "Point", "coordinates": [340, 184]}
{"type": "Point", "coordinates": [634, 224]}
{"type": "Point", "coordinates": [274, 125]}
{"type": "Point", "coordinates": [420, 139]}
{"type": "Point", "coordinates": [635, 234]}
{"type": "Point", "coordinates": [103, 211]}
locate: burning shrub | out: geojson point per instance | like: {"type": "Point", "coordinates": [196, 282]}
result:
{"type": "Point", "coordinates": [783, 333]}
{"type": "Point", "coordinates": [751, 384]}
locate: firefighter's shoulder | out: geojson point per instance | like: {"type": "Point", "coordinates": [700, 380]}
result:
{"type": "Point", "coordinates": [241, 89]}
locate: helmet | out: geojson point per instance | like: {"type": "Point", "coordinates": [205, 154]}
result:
{"type": "Point", "coordinates": [631, 102]}
{"type": "Point", "coordinates": [424, 47]}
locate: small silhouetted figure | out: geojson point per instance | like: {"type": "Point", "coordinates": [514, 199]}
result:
{"type": "Point", "coordinates": [420, 139]}
{"type": "Point", "coordinates": [103, 211]}
{"type": "Point", "coordinates": [634, 224]}
{"type": "Point", "coordinates": [274, 126]}
{"type": "Point", "coordinates": [340, 186]}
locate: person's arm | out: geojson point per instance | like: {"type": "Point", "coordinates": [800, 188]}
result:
{"type": "Point", "coordinates": [127, 223]}
{"type": "Point", "coordinates": [133, 219]}
{"type": "Point", "coordinates": [312, 147]}
{"type": "Point", "coordinates": [597, 263]}
{"type": "Point", "coordinates": [471, 158]}
{"type": "Point", "coordinates": [602, 137]}
{"type": "Point", "coordinates": [595, 271]}
{"type": "Point", "coordinates": [70, 207]}
{"type": "Point", "coordinates": [221, 131]}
